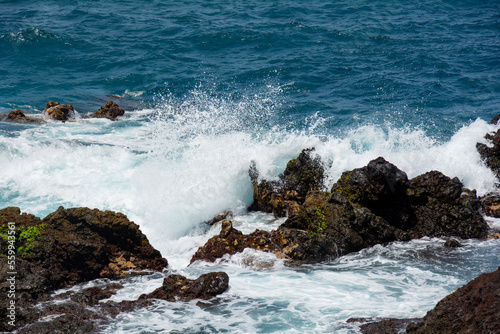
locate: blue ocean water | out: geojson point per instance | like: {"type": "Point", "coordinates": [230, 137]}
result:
{"type": "Point", "coordinates": [209, 86]}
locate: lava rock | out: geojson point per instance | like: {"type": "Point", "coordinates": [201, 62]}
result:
{"type": "Point", "coordinates": [59, 112]}
{"type": "Point", "coordinates": [177, 287]}
{"type": "Point", "coordinates": [19, 117]}
{"type": "Point", "coordinates": [491, 205]}
{"type": "Point", "coordinates": [109, 110]}
{"type": "Point", "coordinates": [283, 197]}
{"type": "Point", "coordinates": [231, 241]}
{"type": "Point", "coordinates": [473, 308]}
{"type": "Point", "coordinates": [70, 246]}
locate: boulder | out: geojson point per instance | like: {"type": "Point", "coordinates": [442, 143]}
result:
{"type": "Point", "coordinates": [372, 205]}
{"type": "Point", "coordinates": [473, 308]}
{"type": "Point", "coordinates": [283, 197]}
{"type": "Point", "coordinates": [231, 241]}
{"type": "Point", "coordinates": [19, 116]}
{"type": "Point", "coordinates": [59, 112]}
{"type": "Point", "coordinates": [490, 204]}
{"type": "Point", "coordinates": [74, 245]}
{"type": "Point", "coordinates": [109, 110]}
{"type": "Point", "coordinates": [177, 287]}
{"type": "Point", "coordinates": [442, 207]}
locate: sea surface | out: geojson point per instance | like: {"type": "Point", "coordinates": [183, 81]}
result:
{"type": "Point", "coordinates": [209, 86]}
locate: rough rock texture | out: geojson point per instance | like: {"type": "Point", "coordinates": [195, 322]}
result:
{"type": "Point", "coordinates": [283, 197]}
{"type": "Point", "coordinates": [221, 217]}
{"type": "Point", "coordinates": [74, 245]}
{"type": "Point", "coordinates": [231, 241]}
{"type": "Point", "coordinates": [491, 205]}
{"type": "Point", "coordinates": [110, 110]}
{"type": "Point", "coordinates": [19, 116]}
{"type": "Point", "coordinates": [177, 287]}
{"type": "Point", "coordinates": [490, 152]}
{"type": "Point", "coordinates": [383, 326]}
{"type": "Point", "coordinates": [372, 205]}
{"type": "Point", "coordinates": [473, 308]}
{"type": "Point", "coordinates": [59, 112]}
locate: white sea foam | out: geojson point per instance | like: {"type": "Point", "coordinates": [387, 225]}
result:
{"type": "Point", "coordinates": [172, 167]}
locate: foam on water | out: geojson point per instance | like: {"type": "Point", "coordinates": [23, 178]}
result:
{"type": "Point", "coordinates": [180, 163]}
{"type": "Point", "coordinates": [267, 296]}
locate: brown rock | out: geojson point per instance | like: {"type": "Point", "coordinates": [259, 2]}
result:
{"type": "Point", "coordinates": [491, 205]}
{"type": "Point", "coordinates": [59, 112]}
{"type": "Point", "coordinates": [231, 241]}
{"type": "Point", "coordinates": [179, 287]}
{"type": "Point", "coordinates": [19, 116]}
{"type": "Point", "coordinates": [473, 308]}
{"type": "Point", "coordinates": [109, 110]}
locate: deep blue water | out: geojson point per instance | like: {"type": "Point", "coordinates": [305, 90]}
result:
{"type": "Point", "coordinates": [430, 63]}
{"type": "Point", "coordinates": [209, 86]}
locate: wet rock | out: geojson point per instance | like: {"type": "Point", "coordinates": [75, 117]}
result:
{"type": "Point", "coordinates": [109, 110]}
{"type": "Point", "coordinates": [59, 112]}
{"type": "Point", "coordinates": [372, 205]}
{"type": "Point", "coordinates": [62, 323]}
{"type": "Point", "coordinates": [452, 243]}
{"type": "Point", "coordinates": [20, 117]}
{"type": "Point", "coordinates": [223, 216]}
{"type": "Point", "coordinates": [92, 296]}
{"type": "Point", "coordinates": [283, 197]}
{"type": "Point", "coordinates": [382, 326]}
{"type": "Point", "coordinates": [75, 245]}
{"type": "Point", "coordinates": [431, 204]}
{"type": "Point", "coordinates": [303, 174]}
{"type": "Point", "coordinates": [231, 241]}
{"type": "Point", "coordinates": [381, 187]}
{"type": "Point", "coordinates": [490, 205]}
{"type": "Point", "coordinates": [442, 207]}
{"type": "Point", "coordinates": [473, 308]}
{"type": "Point", "coordinates": [177, 287]}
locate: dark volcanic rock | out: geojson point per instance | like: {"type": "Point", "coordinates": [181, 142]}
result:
{"type": "Point", "coordinates": [179, 287]}
{"type": "Point", "coordinates": [381, 187]}
{"type": "Point", "coordinates": [231, 241]}
{"type": "Point", "coordinates": [491, 205]}
{"type": "Point", "coordinates": [221, 217]}
{"type": "Point", "coordinates": [372, 205]}
{"type": "Point", "coordinates": [283, 197]}
{"type": "Point", "coordinates": [490, 152]}
{"type": "Point", "coordinates": [110, 110]}
{"type": "Point", "coordinates": [19, 116]}
{"type": "Point", "coordinates": [383, 326]}
{"type": "Point", "coordinates": [442, 207]}
{"type": "Point", "coordinates": [59, 112]}
{"type": "Point", "coordinates": [303, 174]}
{"type": "Point", "coordinates": [473, 308]}
{"type": "Point", "coordinates": [74, 245]}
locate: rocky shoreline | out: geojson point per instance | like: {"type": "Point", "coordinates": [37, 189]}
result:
{"type": "Point", "coordinates": [375, 204]}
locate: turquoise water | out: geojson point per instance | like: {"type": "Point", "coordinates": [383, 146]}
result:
{"type": "Point", "coordinates": [210, 86]}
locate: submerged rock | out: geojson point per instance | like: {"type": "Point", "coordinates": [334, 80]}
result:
{"type": "Point", "coordinates": [221, 217]}
{"type": "Point", "coordinates": [109, 110]}
{"type": "Point", "coordinates": [177, 287]}
{"type": "Point", "coordinates": [473, 308]}
{"type": "Point", "coordinates": [59, 112]}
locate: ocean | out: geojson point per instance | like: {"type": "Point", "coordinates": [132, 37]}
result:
{"type": "Point", "coordinates": [208, 87]}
